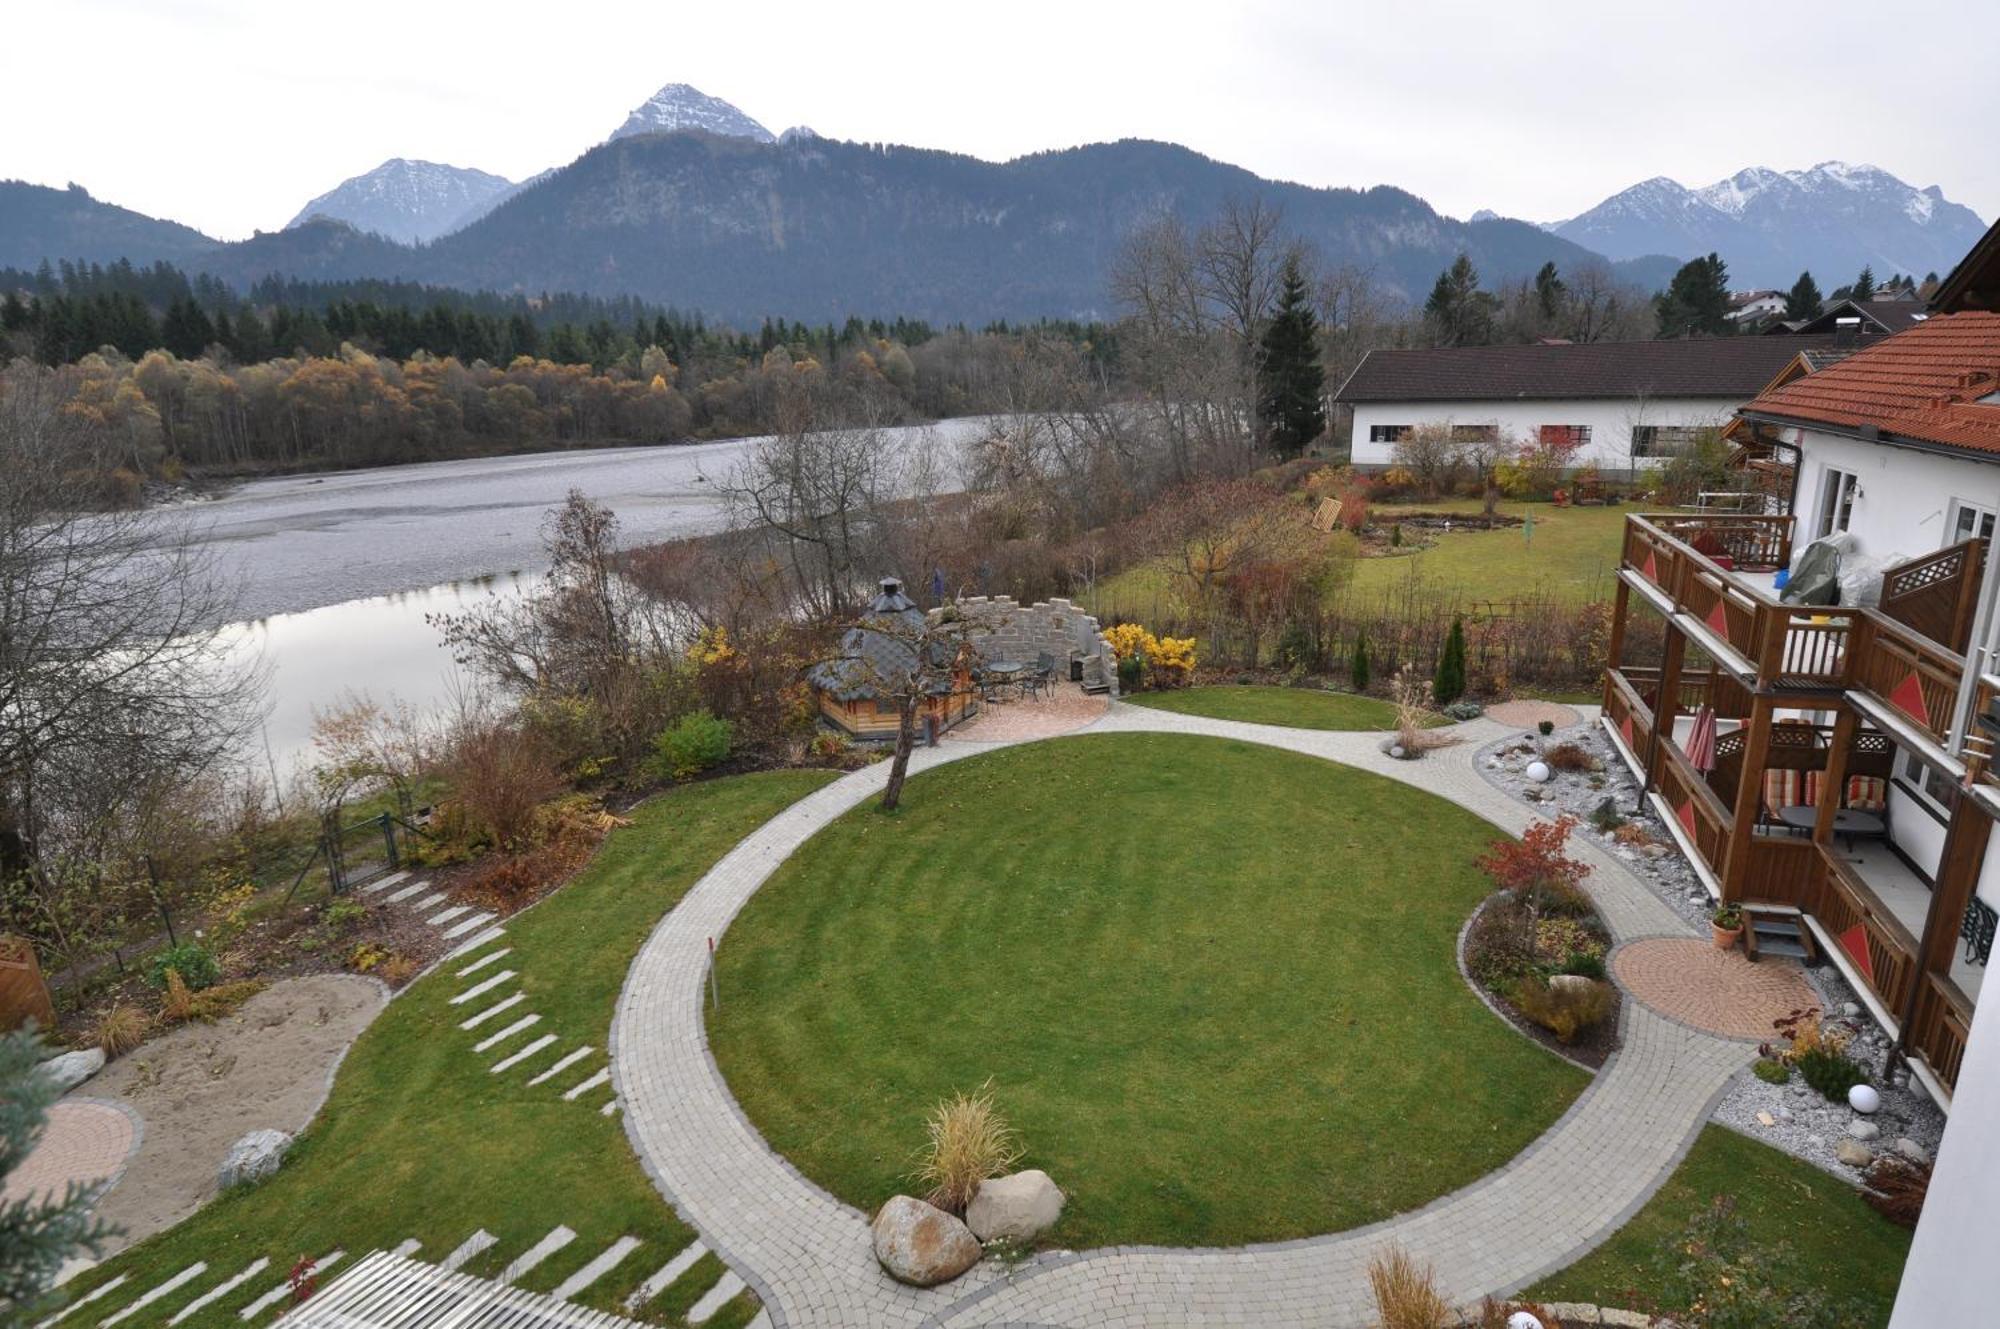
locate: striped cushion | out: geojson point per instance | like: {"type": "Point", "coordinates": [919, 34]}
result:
{"type": "Point", "coordinates": [1867, 792]}
{"type": "Point", "coordinates": [1781, 790]}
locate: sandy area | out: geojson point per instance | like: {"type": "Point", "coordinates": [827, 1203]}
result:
{"type": "Point", "coordinates": [1528, 714]}
{"type": "Point", "coordinates": [202, 1087]}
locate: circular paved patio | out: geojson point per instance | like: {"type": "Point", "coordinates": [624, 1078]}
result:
{"type": "Point", "coordinates": [84, 1142]}
{"type": "Point", "coordinates": [1721, 992]}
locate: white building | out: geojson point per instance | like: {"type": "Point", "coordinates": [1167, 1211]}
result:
{"type": "Point", "coordinates": [1755, 306]}
{"type": "Point", "coordinates": [1624, 405]}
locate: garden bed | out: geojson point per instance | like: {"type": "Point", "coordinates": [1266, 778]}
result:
{"type": "Point", "coordinates": [1591, 1047]}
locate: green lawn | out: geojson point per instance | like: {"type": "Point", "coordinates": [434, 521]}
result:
{"type": "Point", "coordinates": [1841, 1244]}
{"type": "Point", "coordinates": [1212, 984]}
{"type": "Point", "coordinates": [1572, 555]}
{"type": "Point", "coordinates": [421, 1140]}
{"type": "Point", "coordinates": [1296, 708]}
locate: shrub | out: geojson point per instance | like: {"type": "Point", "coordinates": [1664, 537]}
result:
{"type": "Point", "coordinates": [1564, 1011]}
{"type": "Point", "coordinates": [1559, 936]}
{"type": "Point", "coordinates": [1500, 947]}
{"type": "Point", "coordinates": [1728, 918]}
{"type": "Point", "coordinates": [501, 775]}
{"type": "Point", "coordinates": [1131, 672]}
{"type": "Point", "coordinates": [1584, 965]}
{"type": "Point", "coordinates": [969, 1142]}
{"type": "Point", "coordinates": [1465, 710]}
{"type": "Point", "coordinates": [1535, 859]}
{"type": "Point", "coordinates": [366, 956]}
{"type": "Point", "coordinates": [220, 1000]}
{"type": "Point", "coordinates": [176, 1003]}
{"type": "Point", "coordinates": [513, 880]}
{"type": "Point", "coordinates": [1831, 1073]}
{"type": "Point", "coordinates": [1632, 835]}
{"type": "Point", "coordinates": [397, 970]}
{"type": "Point", "coordinates": [343, 915]}
{"type": "Point", "coordinates": [1406, 1295]}
{"type": "Point", "coordinates": [1545, 727]}
{"type": "Point", "coordinates": [1128, 640]}
{"type": "Point", "coordinates": [1295, 648]}
{"type": "Point", "coordinates": [120, 1029]}
{"type": "Point", "coordinates": [1895, 1188]}
{"type": "Point", "coordinates": [1562, 898]}
{"type": "Point", "coordinates": [190, 962]}
{"type": "Point", "coordinates": [697, 742]}
{"type": "Point", "coordinates": [1570, 757]}
{"type": "Point", "coordinates": [1357, 664]}
{"type": "Point", "coordinates": [1771, 1071]}
{"type": "Point", "coordinates": [1606, 817]}
{"type": "Point", "coordinates": [1448, 685]}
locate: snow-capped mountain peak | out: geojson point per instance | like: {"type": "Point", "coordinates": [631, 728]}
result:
{"type": "Point", "coordinates": [679, 106]}
{"type": "Point", "coordinates": [408, 200]}
{"type": "Point", "coordinates": [799, 134]}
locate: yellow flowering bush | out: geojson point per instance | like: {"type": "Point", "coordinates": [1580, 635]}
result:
{"type": "Point", "coordinates": [1128, 640]}
{"type": "Point", "coordinates": [1169, 660]}
{"type": "Point", "coordinates": [711, 647]}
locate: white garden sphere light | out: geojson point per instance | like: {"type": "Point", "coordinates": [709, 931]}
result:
{"type": "Point", "coordinates": [1863, 1098]}
{"type": "Point", "coordinates": [1538, 771]}
{"type": "Point", "coordinates": [1523, 1320]}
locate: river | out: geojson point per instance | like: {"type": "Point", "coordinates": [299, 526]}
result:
{"type": "Point", "coordinates": [334, 573]}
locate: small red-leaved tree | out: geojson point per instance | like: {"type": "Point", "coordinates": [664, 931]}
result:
{"type": "Point", "coordinates": [1536, 859]}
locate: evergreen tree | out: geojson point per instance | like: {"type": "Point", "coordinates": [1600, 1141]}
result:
{"type": "Point", "coordinates": [1458, 313]}
{"type": "Point", "coordinates": [36, 1234]}
{"type": "Point", "coordinates": [1357, 665]}
{"type": "Point", "coordinates": [1803, 301]}
{"type": "Point", "coordinates": [1864, 285]}
{"type": "Point", "coordinates": [1696, 301]}
{"type": "Point", "coordinates": [1551, 293]}
{"type": "Point", "coordinates": [1290, 380]}
{"type": "Point", "coordinates": [1449, 683]}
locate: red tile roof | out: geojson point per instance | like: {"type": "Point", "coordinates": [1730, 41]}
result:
{"type": "Point", "coordinates": [1925, 385]}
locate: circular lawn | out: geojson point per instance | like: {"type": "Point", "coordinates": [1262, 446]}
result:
{"type": "Point", "coordinates": [1212, 983]}
{"type": "Point", "coordinates": [1295, 708]}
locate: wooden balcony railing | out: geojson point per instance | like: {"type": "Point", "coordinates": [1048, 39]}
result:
{"type": "Point", "coordinates": [1934, 596]}
{"type": "Point", "coordinates": [1754, 542]}
{"type": "Point", "coordinates": [1939, 1025]}
{"type": "Point", "coordinates": [1700, 813]}
{"type": "Point", "coordinates": [1783, 869]}
{"type": "Point", "coordinates": [1907, 672]}
{"type": "Point", "coordinates": [1628, 714]}
{"type": "Point", "coordinates": [1802, 646]}
{"type": "Point", "coordinates": [1841, 901]}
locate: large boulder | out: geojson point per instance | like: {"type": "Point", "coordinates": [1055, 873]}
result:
{"type": "Point", "coordinates": [252, 1158]}
{"type": "Point", "coordinates": [1018, 1207]}
{"type": "Point", "coordinates": [1854, 1153]}
{"type": "Point", "coordinates": [72, 1068]}
{"type": "Point", "coordinates": [921, 1244]}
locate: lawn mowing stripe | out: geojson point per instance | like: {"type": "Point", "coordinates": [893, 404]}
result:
{"type": "Point", "coordinates": [185, 1276]}
{"type": "Point", "coordinates": [660, 1279]}
{"type": "Point", "coordinates": [485, 960]}
{"type": "Point", "coordinates": [430, 901]}
{"type": "Point", "coordinates": [713, 1300]}
{"type": "Point", "coordinates": [482, 987]}
{"type": "Point", "coordinates": [603, 1074]}
{"type": "Point", "coordinates": [558, 1237]}
{"type": "Point", "coordinates": [569, 1059]}
{"type": "Point", "coordinates": [221, 1290]}
{"type": "Point", "coordinates": [407, 1248]}
{"type": "Point", "coordinates": [597, 1268]}
{"type": "Point", "coordinates": [473, 1245]}
{"type": "Point", "coordinates": [468, 947]}
{"type": "Point", "coordinates": [503, 1004]}
{"type": "Point", "coordinates": [508, 1063]}
{"type": "Point", "coordinates": [84, 1300]}
{"type": "Point", "coordinates": [284, 1289]}
{"type": "Point", "coordinates": [409, 890]}
{"type": "Point", "coordinates": [492, 1040]}
{"type": "Point", "coordinates": [467, 924]}
{"type": "Point", "coordinates": [443, 916]}
{"type": "Point", "coordinates": [384, 883]}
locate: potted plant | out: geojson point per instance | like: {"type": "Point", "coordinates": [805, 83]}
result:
{"type": "Point", "coordinates": [1726, 924]}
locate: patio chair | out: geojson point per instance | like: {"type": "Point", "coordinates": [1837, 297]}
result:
{"type": "Point", "coordinates": [1043, 680]}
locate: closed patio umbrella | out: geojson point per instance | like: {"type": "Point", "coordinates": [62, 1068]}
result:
{"type": "Point", "coordinates": [1700, 747]}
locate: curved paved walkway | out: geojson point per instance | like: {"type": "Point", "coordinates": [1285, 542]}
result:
{"type": "Point", "coordinates": [808, 1254]}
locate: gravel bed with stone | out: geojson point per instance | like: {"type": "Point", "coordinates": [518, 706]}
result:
{"type": "Point", "coordinates": [1791, 1116]}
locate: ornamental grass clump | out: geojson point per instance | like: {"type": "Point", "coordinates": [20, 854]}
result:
{"type": "Point", "coordinates": [1564, 1010]}
{"type": "Point", "coordinates": [1406, 1295]}
{"type": "Point", "coordinates": [969, 1142]}
{"type": "Point", "coordinates": [120, 1029]}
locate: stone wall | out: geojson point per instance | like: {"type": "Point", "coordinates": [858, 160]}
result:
{"type": "Point", "coordinates": [1007, 630]}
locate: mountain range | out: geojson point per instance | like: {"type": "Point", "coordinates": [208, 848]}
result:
{"type": "Point", "coordinates": [1770, 225]}
{"type": "Point", "coordinates": [692, 202]}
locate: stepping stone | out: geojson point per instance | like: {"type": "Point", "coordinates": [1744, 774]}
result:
{"type": "Point", "coordinates": [508, 1063]}
{"type": "Point", "coordinates": [284, 1289]}
{"type": "Point", "coordinates": [84, 1300]}
{"type": "Point", "coordinates": [493, 1010]}
{"type": "Point", "coordinates": [482, 987]}
{"type": "Point", "coordinates": [443, 916]}
{"type": "Point", "coordinates": [179, 1280]}
{"type": "Point", "coordinates": [608, 1108]}
{"type": "Point", "coordinates": [475, 1244]}
{"type": "Point", "coordinates": [428, 901]}
{"type": "Point", "coordinates": [662, 1278]}
{"type": "Point", "coordinates": [603, 1074]}
{"type": "Point", "coordinates": [384, 883]}
{"type": "Point", "coordinates": [412, 889]}
{"type": "Point", "coordinates": [713, 1300]}
{"type": "Point", "coordinates": [485, 960]}
{"type": "Point", "coordinates": [408, 1248]}
{"type": "Point", "coordinates": [597, 1268]}
{"type": "Point", "coordinates": [465, 925]}
{"type": "Point", "coordinates": [568, 1060]}
{"type": "Point", "coordinates": [558, 1238]}
{"type": "Point", "coordinates": [485, 938]}
{"type": "Point", "coordinates": [492, 1040]}
{"type": "Point", "coordinates": [220, 1290]}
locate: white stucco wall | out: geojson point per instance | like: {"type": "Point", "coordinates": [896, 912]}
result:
{"type": "Point", "coordinates": [1905, 496]}
{"type": "Point", "coordinates": [1611, 423]}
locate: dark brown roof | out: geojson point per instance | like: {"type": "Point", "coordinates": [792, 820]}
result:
{"type": "Point", "coordinates": [1877, 316]}
{"type": "Point", "coordinates": [1933, 384]}
{"type": "Point", "coordinates": [1975, 282]}
{"type": "Point", "coordinates": [1732, 368]}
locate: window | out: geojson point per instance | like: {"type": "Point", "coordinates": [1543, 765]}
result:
{"type": "Point", "coordinates": [1388, 433]}
{"type": "Point", "coordinates": [1927, 783]}
{"type": "Point", "coordinates": [1474, 433]}
{"type": "Point", "coordinates": [1564, 436]}
{"type": "Point", "coordinates": [1969, 521]}
{"type": "Point", "coordinates": [1663, 440]}
{"type": "Point", "coordinates": [1836, 500]}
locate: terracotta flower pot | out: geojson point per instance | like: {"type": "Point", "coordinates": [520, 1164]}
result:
{"type": "Point", "coordinates": [1725, 938]}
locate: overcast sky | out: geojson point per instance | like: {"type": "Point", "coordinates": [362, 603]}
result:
{"type": "Point", "coordinates": [229, 114]}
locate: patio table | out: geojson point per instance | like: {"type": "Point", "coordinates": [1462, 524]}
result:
{"type": "Point", "coordinates": [1848, 823]}
{"type": "Point", "coordinates": [1006, 674]}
